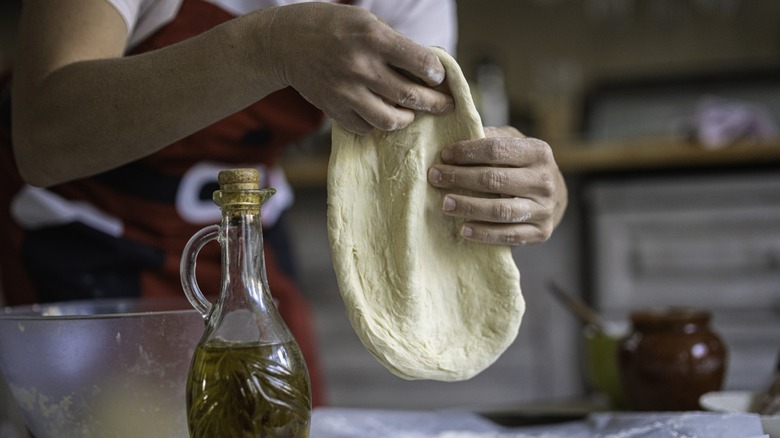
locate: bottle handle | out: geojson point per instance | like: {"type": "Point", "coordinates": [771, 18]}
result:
{"type": "Point", "coordinates": [187, 268]}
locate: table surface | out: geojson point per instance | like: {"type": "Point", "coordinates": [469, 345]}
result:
{"type": "Point", "coordinates": [349, 423]}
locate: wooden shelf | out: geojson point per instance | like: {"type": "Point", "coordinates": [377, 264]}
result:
{"type": "Point", "coordinates": [651, 154]}
{"type": "Point", "coordinates": [579, 158]}
{"type": "Point", "coordinates": [309, 172]}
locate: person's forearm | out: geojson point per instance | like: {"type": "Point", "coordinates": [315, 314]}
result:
{"type": "Point", "coordinates": [91, 116]}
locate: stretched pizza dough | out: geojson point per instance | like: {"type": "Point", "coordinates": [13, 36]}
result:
{"type": "Point", "coordinates": [425, 302]}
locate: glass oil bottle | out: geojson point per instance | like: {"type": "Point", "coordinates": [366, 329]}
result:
{"type": "Point", "coordinates": [248, 377]}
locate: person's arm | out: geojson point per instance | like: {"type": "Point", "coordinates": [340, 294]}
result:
{"type": "Point", "coordinates": [532, 195]}
{"type": "Point", "coordinates": [80, 107]}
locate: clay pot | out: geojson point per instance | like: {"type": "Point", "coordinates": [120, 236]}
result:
{"type": "Point", "coordinates": [670, 359]}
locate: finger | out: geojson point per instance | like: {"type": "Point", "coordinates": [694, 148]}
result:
{"type": "Point", "coordinates": [400, 90]}
{"type": "Point", "coordinates": [420, 61]}
{"type": "Point", "coordinates": [379, 114]}
{"type": "Point", "coordinates": [523, 182]}
{"type": "Point", "coordinates": [355, 124]}
{"type": "Point", "coordinates": [498, 151]}
{"type": "Point", "coordinates": [505, 234]}
{"type": "Point", "coordinates": [386, 117]}
{"type": "Point", "coordinates": [496, 210]}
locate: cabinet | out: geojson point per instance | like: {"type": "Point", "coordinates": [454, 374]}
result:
{"type": "Point", "coordinates": [709, 240]}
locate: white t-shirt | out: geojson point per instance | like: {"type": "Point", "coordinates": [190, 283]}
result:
{"type": "Point", "coordinates": [429, 22]}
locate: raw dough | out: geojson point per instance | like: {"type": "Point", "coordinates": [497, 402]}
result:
{"type": "Point", "coordinates": [425, 302]}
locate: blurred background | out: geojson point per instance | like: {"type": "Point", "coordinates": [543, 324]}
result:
{"type": "Point", "coordinates": [663, 116]}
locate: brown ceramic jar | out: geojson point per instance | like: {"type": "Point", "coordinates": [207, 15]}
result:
{"type": "Point", "coordinates": [670, 359]}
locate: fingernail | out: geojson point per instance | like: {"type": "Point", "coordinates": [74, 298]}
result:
{"type": "Point", "coordinates": [446, 154]}
{"type": "Point", "coordinates": [449, 204]}
{"type": "Point", "coordinates": [466, 231]}
{"type": "Point", "coordinates": [434, 176]}
{"type": "Point", "coordinates": [436, 75]}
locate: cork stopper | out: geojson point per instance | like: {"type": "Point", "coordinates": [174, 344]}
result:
{"type": "Point", "coordinates": [239, 179]}
{"type": "Point", "coordinates": [239, 191]}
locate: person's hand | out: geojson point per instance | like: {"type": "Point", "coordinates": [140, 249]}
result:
{"type": "Point", "coordinates": [354, 67]}
{"type": "Point", "coordinates": [525, 195]}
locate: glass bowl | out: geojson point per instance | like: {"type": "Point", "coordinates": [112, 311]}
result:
{"type": "Point", "coordinates": [105, 368]}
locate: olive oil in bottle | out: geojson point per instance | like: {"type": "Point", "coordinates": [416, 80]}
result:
{"type": "Point", "coordinates": [248, 377]}
{"type": "Point", "coordinates": [247, 391]}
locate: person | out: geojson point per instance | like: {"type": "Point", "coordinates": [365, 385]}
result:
{"type": "Point", "coordinates": [121, 112]}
